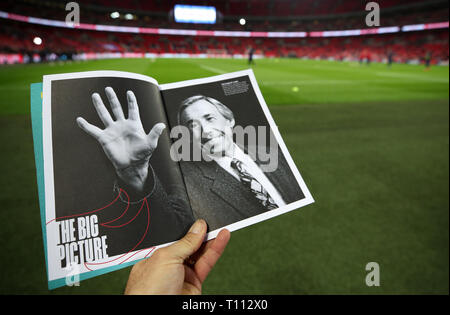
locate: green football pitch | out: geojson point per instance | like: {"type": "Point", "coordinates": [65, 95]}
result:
{"type": "Point", "coordinates": [371, 142]}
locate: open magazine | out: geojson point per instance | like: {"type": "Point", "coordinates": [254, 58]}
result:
{"type": "Point", "coordinates": [125, 165]}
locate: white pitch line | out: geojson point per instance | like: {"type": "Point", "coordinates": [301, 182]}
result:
{"type": "Point", "coordinates": [412, 77]}
{"type": "Point", "coordinates": [215, 70]}
{"type": "Point", "coordinates": [319, 82]}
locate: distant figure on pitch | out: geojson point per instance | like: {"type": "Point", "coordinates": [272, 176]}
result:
{"type": "Point", "coordinates": [427, 60]}
{"type": "Point", "coordinates": [390, 58]}
{"type": "Point", "coordinates": [368, 58]}
{"type": "Point", "coordinates": [250, 56]}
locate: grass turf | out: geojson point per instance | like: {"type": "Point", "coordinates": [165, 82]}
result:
{"type": "Point", "coordinates": [371, 143]}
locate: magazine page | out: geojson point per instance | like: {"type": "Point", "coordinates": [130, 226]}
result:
{"type": "Point", "coordinates": [112, 192]}
{"type": "Point", "coordinates": [236, 167]}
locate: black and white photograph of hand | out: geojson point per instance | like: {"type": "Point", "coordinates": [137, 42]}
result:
{"type": "Point", "coordinates": [124, 140]}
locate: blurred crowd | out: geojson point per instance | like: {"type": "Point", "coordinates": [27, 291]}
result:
{"type": "Point", "coordinates": [264, 15]}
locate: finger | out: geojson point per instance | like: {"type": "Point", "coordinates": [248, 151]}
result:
{"type": "Point", "coordinates": [88, 128]}
{"type": "Point", "coordinates": [191, 277]}
{"type": "Point", "coordinates": [155, 133]}
{"type": "Point", "coordinates": [102, 112]}
{"type": "Point", "coordinates": [212, 253]}
{"type": "Point", "coordinates": [133, 109]}
{"type": "Point", "coordinates": [189, 244]}
{"type": "Point", "coordinates": [115, 104]}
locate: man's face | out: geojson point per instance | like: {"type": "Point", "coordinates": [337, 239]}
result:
{"type": "Point", "coordinates": [210, 130]}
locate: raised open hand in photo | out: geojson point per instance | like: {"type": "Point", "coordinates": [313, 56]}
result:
{"type": "Point", "coordinates": [124, 140]}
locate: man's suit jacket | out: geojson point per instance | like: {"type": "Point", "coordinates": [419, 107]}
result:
{"type": "Point", "coordinates": [221, 199]}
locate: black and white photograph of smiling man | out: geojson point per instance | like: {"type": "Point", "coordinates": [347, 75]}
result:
{"type": "Point", "coordinates": [239, 171]}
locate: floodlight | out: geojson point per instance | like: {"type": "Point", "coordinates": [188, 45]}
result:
{"type": "Point", "coordinates": [37, 40]}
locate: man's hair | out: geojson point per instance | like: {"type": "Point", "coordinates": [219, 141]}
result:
{"type": "Point", "coordinates": [221, 108]}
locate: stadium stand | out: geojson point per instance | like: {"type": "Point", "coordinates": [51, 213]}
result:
{"type": "Point", "coordinates": [297, 17]}
{"type": "Point", "coordinates": [265, 15]}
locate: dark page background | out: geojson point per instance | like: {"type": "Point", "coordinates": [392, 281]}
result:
{"type": "Point", "coordinates": [83, 175]}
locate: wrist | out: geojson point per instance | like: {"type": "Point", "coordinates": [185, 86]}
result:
{"type": "Point", "coordinates": [134, 176]}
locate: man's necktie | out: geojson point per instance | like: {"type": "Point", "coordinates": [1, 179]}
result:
{"type": "Point", "coordinates": [254, 186]}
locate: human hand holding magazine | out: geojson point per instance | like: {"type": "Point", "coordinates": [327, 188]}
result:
{"type": "Point", "coordinates": [126, 165]}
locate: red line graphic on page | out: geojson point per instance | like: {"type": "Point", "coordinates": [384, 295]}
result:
{"type": "Point", "coordinates": [99, 209]}
{"type": "Point", "coordinates": [150, 248]}
{"type": "Point", "coordinates": [106, 224]}
{"type": "Point", "coordinates": [118, 226]}
{"type": "Point", "coordinates": [142, 238]}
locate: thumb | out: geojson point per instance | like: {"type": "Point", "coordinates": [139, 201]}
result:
{"type": "Point", "coordinates": [190, 243]}
{"type": "Point", "coordinates": [154, 134]}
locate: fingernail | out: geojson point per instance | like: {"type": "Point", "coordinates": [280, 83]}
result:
{"type": "Point", "coordinates": [221, 235]}
{"type": "Point", "coordinates": [197, 228]}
